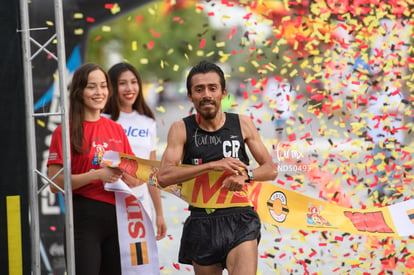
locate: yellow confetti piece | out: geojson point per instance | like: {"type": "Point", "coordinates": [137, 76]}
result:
{"type": "Point", "coordinates": [41, 123]}
{"type": "Point", "coordinates": [116, 9]}
{"type": "Point", "coordinates": [77, 15]}
{"type": "Point", "coordinates": [223, 57]}
{"type": "Point", "coordinates": [176, 67]}
{"type": "Point", "coordinates": [220, 44]}
{"type": "Point", "coordinates": [144, 61]}
{"type": "Point", "coordinates": [106, 28]}
{"type": "Point", "coordinates": [293, 73]}
{"type": "Point", "coordinates": [160, 109]}
{"type": "Point", "coordinates": [159, 89]}
{"type": "Point", "coordinates": [134, 46]}
{"type": "Point", "coordinates": [255, 64]}
{"type": "Point", "coordinates": [49, 23]}
{"type": "Point", "coordinates": [78, 31]}
{"type": "Point", "coordinates": [152, 11]}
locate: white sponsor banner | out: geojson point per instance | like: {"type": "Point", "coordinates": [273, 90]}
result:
{"type": "Point", "coordinates": [137, 242]}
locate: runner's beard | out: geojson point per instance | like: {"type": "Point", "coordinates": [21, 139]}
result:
{"type": "Point", "coordinates": [208, 114]}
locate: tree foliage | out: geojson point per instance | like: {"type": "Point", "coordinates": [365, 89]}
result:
{"type": "Point", "coordinates": [159, 42]}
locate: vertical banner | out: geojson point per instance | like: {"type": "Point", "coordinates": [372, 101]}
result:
{"type": "Point", "coordinates": [137, 242]}
{"type": "Point", "coordinates": [14, 235]}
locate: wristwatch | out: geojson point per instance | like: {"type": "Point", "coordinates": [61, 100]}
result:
{"type": "Point", "coordinates": [250, 175]}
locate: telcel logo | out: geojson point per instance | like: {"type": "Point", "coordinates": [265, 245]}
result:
{"type": "Point", "coordinates": [136, 132]}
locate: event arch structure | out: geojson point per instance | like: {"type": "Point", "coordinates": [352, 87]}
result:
{"type": "Point", "coordinates": [31, 141]}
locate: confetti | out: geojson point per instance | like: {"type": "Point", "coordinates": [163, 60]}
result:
{"type": "Point", "coordinates": [351, 68]}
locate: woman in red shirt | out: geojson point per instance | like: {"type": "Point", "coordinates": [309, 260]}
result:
{"type": "Point", "coordinates": [94, 213]}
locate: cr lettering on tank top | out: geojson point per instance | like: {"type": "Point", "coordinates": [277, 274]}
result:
{"type": "Point", "coordinates": [231, 148]}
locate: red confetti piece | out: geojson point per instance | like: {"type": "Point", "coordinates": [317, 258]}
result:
{"type": "Point", "coordinates": [150, 45]}
{"type": "Point", "coordinates": [202, 43]}
{"type": "Point", "coordinates": [247, 16]}
{"type": "Point", "coordinates": [264, 256]}
{"type": "Point", "coordinates": [90, 19]}
{"type": "Point", "coordinates": [109, 6]}
{"type": "Point", "coordinates": [338, 238]}
{"type": "Point", "coordinates": [253, 82]}
{"type": "Point", "coordinates": [306, 136]}
{"type": "Point", "coordinates": [278, 79]}
{"type": "Point", "coordinates": [292, 137]}
{"type": "Point", "coordinates": [259, 106]}
{"type": "Point", "coordinates": [280, 182]}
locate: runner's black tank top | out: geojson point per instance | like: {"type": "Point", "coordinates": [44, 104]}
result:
{"type": "Point", "coordinates": [203, 146]}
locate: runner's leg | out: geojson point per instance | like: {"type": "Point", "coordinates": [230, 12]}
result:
{"type": "Point", "coordinates": [216, 269]}
{"type": "Point", "coordinates": [242, 260]}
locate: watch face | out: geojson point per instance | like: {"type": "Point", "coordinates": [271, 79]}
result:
{"type": "Point", "coordinates": [250, 174]}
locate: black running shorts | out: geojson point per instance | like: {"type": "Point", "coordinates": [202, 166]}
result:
{"type": "Point", "coordinates": [208, 238]}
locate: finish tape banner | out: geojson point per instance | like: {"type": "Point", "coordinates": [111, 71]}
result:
{"type": "Point", "coordinates": [274, 204]}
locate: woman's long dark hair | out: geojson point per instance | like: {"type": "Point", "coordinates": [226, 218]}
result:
{"type": "Point", "coordinates": [77, 106]}
{"type": "Point", "coordinates": [112, 106]}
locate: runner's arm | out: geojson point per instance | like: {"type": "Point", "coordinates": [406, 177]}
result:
{"type": "Point", "coordinates": [171, 173]}
{"type": "Point", "coordinates": [266, 169]}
